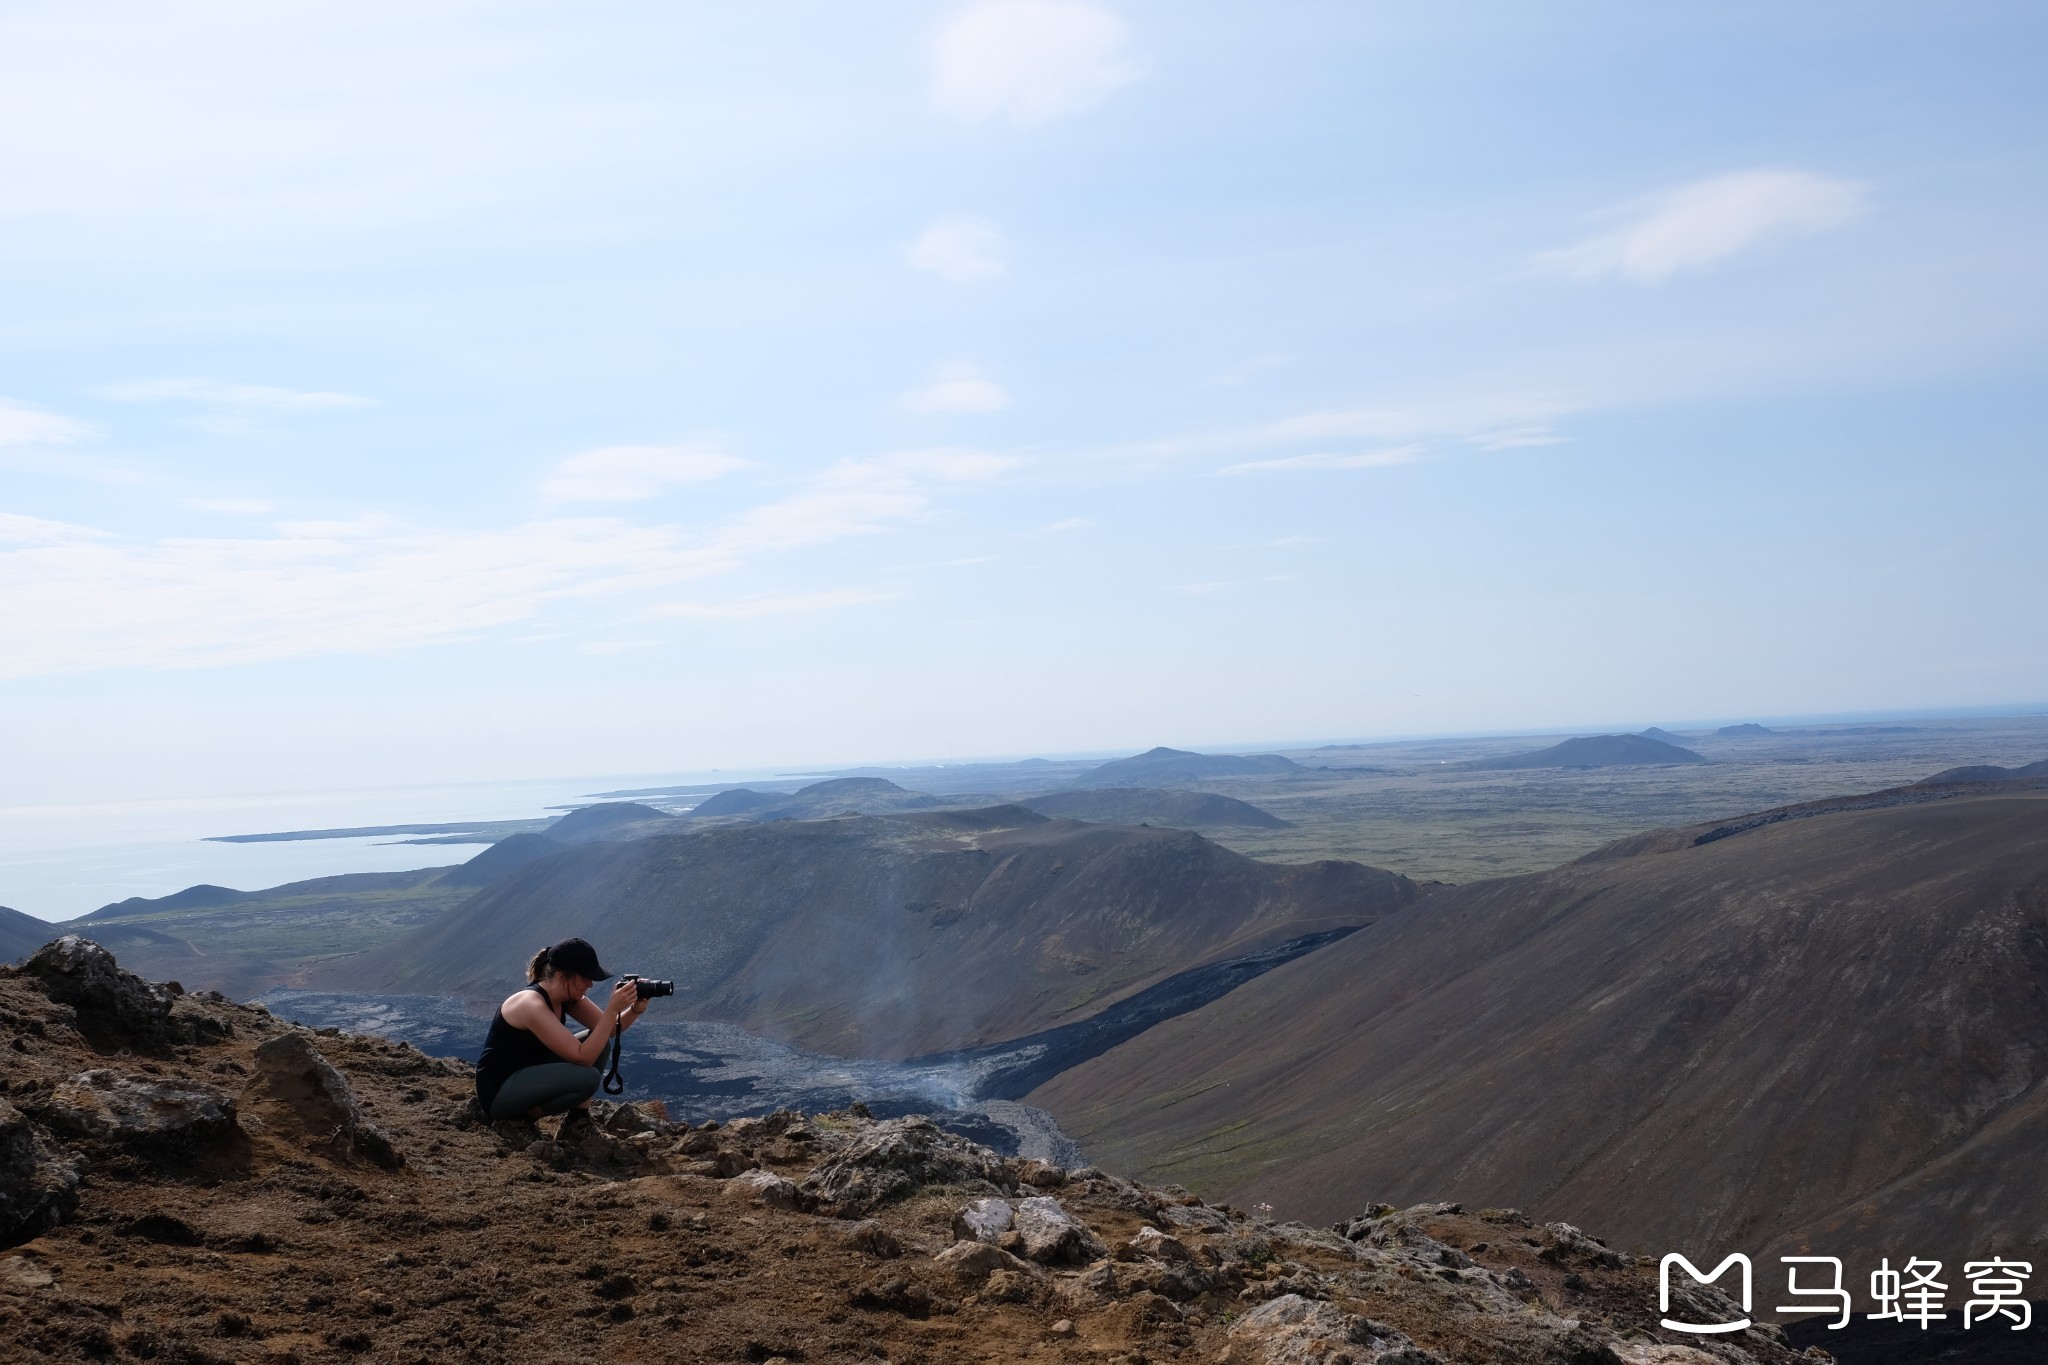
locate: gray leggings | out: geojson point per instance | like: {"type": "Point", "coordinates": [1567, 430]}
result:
{"type": "Point", "coordinates": [551, 1087]}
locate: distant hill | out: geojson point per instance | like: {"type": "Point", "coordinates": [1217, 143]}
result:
{"type": "Point", "coordinates": [608, 820]}
{"type": "Point", "coordinates": [1591, 751]}
{"type": "Point", "coordinates": [737, 801]}
{"type": "Point", "coordinates": [834, 796]}
{"type": "Point", "coordinates": [1986, 772]}
{"type": "Point", "coordinates": [1745, 731]}
{"type": "Point", "coordinates": [1143, 806]}
{"type": "Point", "coordinates": [200, 897]}
{"type": "Point", "coordinates": [946, 779]}
{"type": "Point", "coordinates": [1820, 1029]}
{"type": "Point", "coordinates": [1664, 736]}
{"type": "Point", "coordinates": [22, 934]}
{"type": "Point", "coordinates": [1164, 767]}
{"type": "Point", "coordinates": [244, 942]}
{"type": "Point", "coordinates": [886, 936]}
{"type": "Point", "coordinates": [500, 859]}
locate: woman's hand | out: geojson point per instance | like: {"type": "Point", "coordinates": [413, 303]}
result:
{"type": "Point", "coordinates": [624, 1001]}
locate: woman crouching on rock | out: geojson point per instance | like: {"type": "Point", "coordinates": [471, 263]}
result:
{"type": "Point", "coordinates": [532, 1065]}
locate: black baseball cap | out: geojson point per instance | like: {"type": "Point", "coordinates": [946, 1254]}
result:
{"type": "Point", "coordinates": [575, 956]}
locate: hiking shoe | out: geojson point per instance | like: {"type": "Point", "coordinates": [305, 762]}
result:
{"type": "Point", "coordinates": [520, 1133]}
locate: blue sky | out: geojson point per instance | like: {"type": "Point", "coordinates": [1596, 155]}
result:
{"type": "Point", "coordinates": [451, 391]}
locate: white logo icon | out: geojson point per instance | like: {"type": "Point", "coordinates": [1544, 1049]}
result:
{"type": "Point", "coordinates": [1826, 1291]}
{"type": "Point", "coordinates": [1664, 1291]}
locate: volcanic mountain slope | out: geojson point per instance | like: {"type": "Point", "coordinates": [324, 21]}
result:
{"type": "Point", "coordinates": [244, 942]}
{"type": "Point", "coordinates": [1987, 772]}
{"type": "Point", "coordinates": [834, 796]}
{"type": "Point", "coordinates": [1663, 736]}
{"type": "Point", "coordinates": [206, 1184]}
{"type": "Point", "coordinates": [1591, 751]}
{"type": "Point", "coordinates": [887, 937]}
{"type": "Point", "coordinates": [1143, 806]}
{"type": "Point", "coordinates": [21, 934]}
{"type": "Point", "coordinates": [1826, 1032]}
{"type": "Point", "coordinates": [607, 822]}
{"type": "Point", "coordinates": [1163, 767]}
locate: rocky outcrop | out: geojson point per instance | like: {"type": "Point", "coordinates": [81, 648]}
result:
{"type": "Point", "coordinates": [38, 1182]}
{"type": "Point", "coordinates": [896, 1157]}
{"type": "Point", "coordinates": [294, 1084]}
{"type": "Point", "coordinates": [1050, 1235]}
{"type": "Point", "coordinates": [155, 1117]}
{"type": "Point", "coordinates": [985, 1220]}
{"type": "Point", "coordinates": [115, 1008]}
{"type": "Point", "coordinates": [1292, 1330]}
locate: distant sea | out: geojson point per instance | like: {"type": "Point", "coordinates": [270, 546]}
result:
{"type": "Point", "coordinates": [61, 861]}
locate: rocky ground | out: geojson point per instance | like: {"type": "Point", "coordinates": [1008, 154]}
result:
{"type": "Point", "coordinates": [183, 1179]}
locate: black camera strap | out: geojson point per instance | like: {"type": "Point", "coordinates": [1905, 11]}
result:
{"type": "Point", "coordinates": [612, 1084]}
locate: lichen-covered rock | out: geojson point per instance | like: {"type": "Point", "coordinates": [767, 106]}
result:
{"type": "Point", "coordinates": [38, 1182]}
{"type": "Point", "coordinates": [871, 1238]}
{"type": "Point", "coordinates": [1292, 1330]}
{"type": "Point", "coordinates": [895, 1157]}
{"type": "Point", "coordinates": [115, 1008]}
{"type": "Point", "coordinates": [985, 1220]}
{"type": "Point", "coordinates": [1052, 1236]}
{"type": "Point", "coordinates": [1152, 1244]}
{"type": "Point", "coordinates": [295, 1080]}
{"type": "Point", "coordinates": [765, 1187]}
{"type": "Point", "coordinates": [1571, 1246]}
{"type": "Point", "coordinates": [156, 1117]}
{"type": "Point", "coordinates": [975, 1260]}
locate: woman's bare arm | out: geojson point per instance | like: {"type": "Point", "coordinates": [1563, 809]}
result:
{"type": "Point", "coordinates": [530, 1012]}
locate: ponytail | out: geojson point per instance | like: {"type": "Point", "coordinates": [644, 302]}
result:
{"type": "Point", "coordinates": [540, 965]}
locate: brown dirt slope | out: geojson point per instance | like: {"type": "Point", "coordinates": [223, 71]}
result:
{"type": "Point", "coordinates": [887, 937]}
{"type": "Point", "coordinates": [238, 1230]}
{"type": "Point", "coordinates": [1825, 1031]}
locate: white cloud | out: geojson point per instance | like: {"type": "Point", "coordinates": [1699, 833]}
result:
{"type": "Point", "coordinates": [1698, 224]}
{"type": "Point", "coordinates": [1369, 459]}
{"type": "Point", "coordinates": [633, 473]}
{"type": "Point", "coordinates": [78, 598]}
{"type": "Point", "coordinates": [961, 249]}
{"type": "Point", "coordinates": [228, 408]}
{"type": "Point", "coordinates": [244, 397]}
{"type": "Point", "coordinates": [24, 426]}
{"type": "Point", "coordinates": [746, 608]}
{"type": "Point", "coordinates": [960, 387]}
{"type": "Point", "coordinates": [234, 507]}
{"type": "Point", "coordinates": [225, 124]}
{"type": "Point", "coordinates": [1070, 524]}
{"type": "Point", "coordinates": [1029, 61]}
{"type": "Point", "coordinates": [1488, 421]}
{"type": "Point", "coordinates": [34, 442]}
{"type": "Point", "coordinates": [1475, 420]}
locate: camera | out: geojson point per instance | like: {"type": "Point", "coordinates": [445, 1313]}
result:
{"type": "Point", "coordinates": [649, 987]}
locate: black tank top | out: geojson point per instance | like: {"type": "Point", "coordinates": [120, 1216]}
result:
{"type": "Point", "coordinates": [509, 1048]}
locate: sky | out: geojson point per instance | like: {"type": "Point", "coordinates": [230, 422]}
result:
{"type": "Point", "coordinates": [449, 391]}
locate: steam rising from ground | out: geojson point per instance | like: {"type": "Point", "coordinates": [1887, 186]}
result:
{"type": "Point", "coordinates": [709, 1070]}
